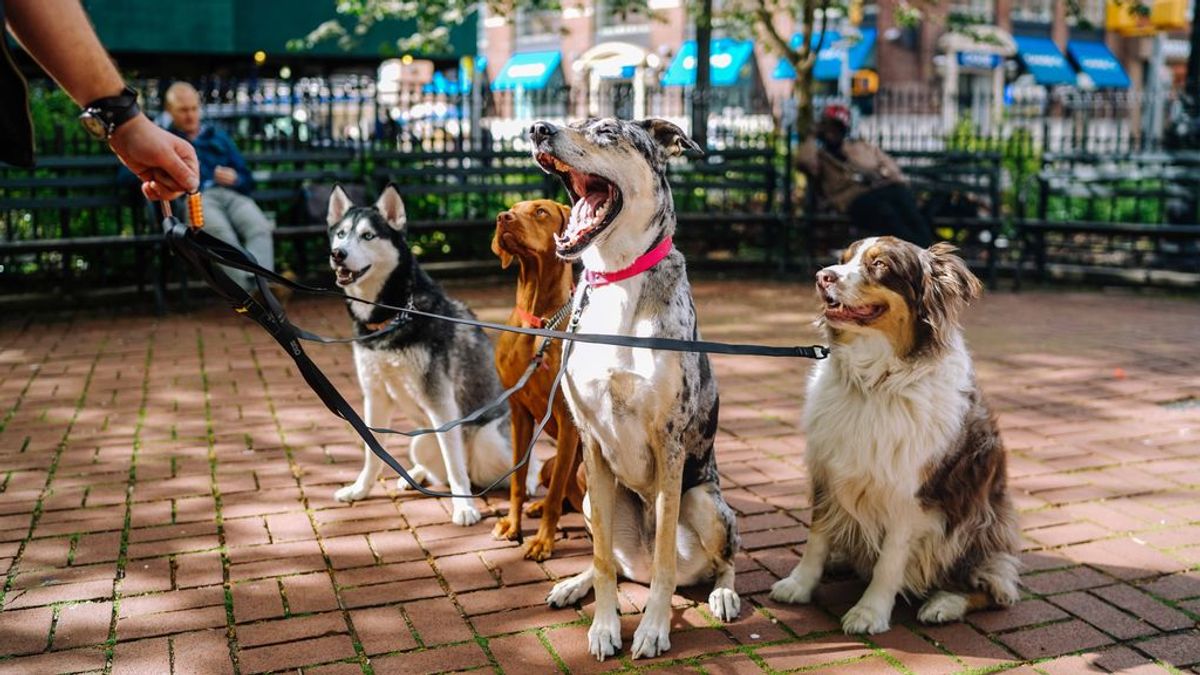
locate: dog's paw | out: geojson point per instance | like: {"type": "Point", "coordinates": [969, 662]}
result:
{"type": "Point", "coordinates": [534, 507]}
{"type": "Point", "coordinates": [353, 492]}
{"type": "Point", "coordinates": [506, 529]}
{"type": "Point", "coordinates": [652, 637]}
{"type": "Point", "coordinates": [539, 548]}
{"type": "Point", "coordinates": [943, 607]}
{"type": "Point", "coordinates": [569, 591]}
{"type": "Point", "coordinates": [465, 515]}
{"type": "Point", "coordinates": [865, 620]}
{"type": "Point", "coordinates": [1002, 590]}
{"type": "Point", "coordinates": [604, 637]}
{"type": "Point", "coordinates": [418, 474]}
{"type": "Point", "coordinates": [792, 592]}
{"type": "Point", "coordinates": [724, 604]}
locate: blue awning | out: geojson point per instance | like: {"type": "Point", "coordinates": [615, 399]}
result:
{"type": "Point", "coordinates": [727, 58]}
{"type": "Point", "coordinates": [829, 58]}
{"type": "Point", "coordinates": [528, 70]}
{"type": "Point", "coordinates": [1043, 60]}
{"type": "Point", "coordinates": [444, 86]}
{"type": "Point", "coordinates": [1098, 62]}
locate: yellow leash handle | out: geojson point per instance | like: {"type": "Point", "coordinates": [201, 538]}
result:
{"type": "Point", "coordinates": [195, 210]}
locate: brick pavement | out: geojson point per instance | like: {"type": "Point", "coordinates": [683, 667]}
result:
{"type": "Point", "coordinates": [166, 506]}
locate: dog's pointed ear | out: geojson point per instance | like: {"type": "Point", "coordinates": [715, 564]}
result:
{"type": "Point", "coordinates": [505, 257]}
{"type": "Point", "coordinates": [391, 205]}
{"type": "Point", "coordinates": [949, 288]}
{"type": "Point", "coordinates": [673, 140]}
{"type": "Point", "coordinates": [339, 204]}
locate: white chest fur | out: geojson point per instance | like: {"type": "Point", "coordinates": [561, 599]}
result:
{"type": "Point", "coordinates": [875, 422]}
{"type": "Point", "coordinates": [397, 374]}
{"type": "Point", "coordinates": [616, 393]}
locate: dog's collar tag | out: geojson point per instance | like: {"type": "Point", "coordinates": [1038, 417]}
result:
{"type": "Point", "coordinates": [644, 262]}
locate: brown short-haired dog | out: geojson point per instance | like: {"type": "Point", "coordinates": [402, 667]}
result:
{"type": "Point", "coordinates": [526, 232]}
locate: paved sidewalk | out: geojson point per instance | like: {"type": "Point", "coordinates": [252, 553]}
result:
{"type": "Point", "coordinates": [166, 506]}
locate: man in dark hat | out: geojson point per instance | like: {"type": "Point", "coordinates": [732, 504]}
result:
{"type": "Point", "coordinates": [861, 180]}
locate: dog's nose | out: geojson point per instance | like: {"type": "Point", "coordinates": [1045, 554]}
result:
{"type": "Point", "coordinates": [540, 131]}
{"type": "Point", "coordinates": [826, 278]}
{"type": "Point", "coordinates": [338, 255]}
{"type": "Point", "coordinates": [507, 217]}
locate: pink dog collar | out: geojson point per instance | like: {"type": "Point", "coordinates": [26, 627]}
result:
{"type": "Point", "coordinates": [644, 262]}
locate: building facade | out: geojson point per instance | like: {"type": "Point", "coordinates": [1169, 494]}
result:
{"type": "Point", "coordinates": [586, 52]}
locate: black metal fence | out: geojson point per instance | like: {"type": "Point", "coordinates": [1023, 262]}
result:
{"type": "Point", "coordinates": [1018, 193]}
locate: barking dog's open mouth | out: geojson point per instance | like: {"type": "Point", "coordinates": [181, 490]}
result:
{"type": "Point", "coordinates": [344, 276]}
{"type": "Point", "coordinates": [837, 312]}
{"type": "Point", "coordinates": [595, 203]}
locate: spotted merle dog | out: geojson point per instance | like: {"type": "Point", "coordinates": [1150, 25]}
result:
{"type": "Point", "coordinates": [648, 418]}
{"type": "Point", "coordinates": [433, 370]}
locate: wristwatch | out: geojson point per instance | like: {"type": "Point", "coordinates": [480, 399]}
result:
{"type": "Point", "coordinates": [101, 117]}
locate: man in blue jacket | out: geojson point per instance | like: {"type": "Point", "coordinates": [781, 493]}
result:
{"type": "Point", "coordinates": [225, 182]}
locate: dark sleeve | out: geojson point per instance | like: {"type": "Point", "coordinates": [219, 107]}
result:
{"type": "Point", "coordinates": [806, 157]}
{"type": "Point", "coordinates": [245, 182]}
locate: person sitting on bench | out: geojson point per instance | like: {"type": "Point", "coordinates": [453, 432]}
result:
{"type": "Point", "coordinates": [861, 181]}
{"type": "Point", "coordinates": [225, 183]}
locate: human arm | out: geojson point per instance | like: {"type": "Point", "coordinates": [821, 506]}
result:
{"type": "Point", "coordinates": [58, 35]}
{"type": "Point", "coordinates": [888, 168]}
{"type": "Point", "coordinates": [233, 171]}
{"type": "Point", "coordinates": [806, 157]}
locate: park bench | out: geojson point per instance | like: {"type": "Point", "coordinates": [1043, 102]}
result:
{"type": "Point", "coordinates": [722, 200]}
{"type": "Point", "coordinates": [1132, 218]}
{"type": "Point", "coordinates": [68, 224]}
{"type": "Point", "coordinates": [283, 179]}
{"type": "Point", "coordinates": [958, 191]}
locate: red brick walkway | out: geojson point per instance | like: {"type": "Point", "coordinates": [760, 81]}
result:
{"type": "Point", "coordinates": [165, 505]}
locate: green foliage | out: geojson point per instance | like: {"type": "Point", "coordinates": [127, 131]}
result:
{"type": "Point", "coordinates": [54, 114]}
{"type": "Point", "coordinates": [433, 18]}
{"type": "Point", "coordinates": [1020, 157]}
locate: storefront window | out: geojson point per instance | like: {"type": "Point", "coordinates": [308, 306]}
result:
{"type": "Point", "coordinates": [973, 10]}
{"type": "Point", "coordinates": [1091, 12]}
{"type": "Point", "coordinates": [611, 20]}
{"type": "Point", "coordinates": [539, 23]}
{"type": "Point", "coordinates": [1033, 11]}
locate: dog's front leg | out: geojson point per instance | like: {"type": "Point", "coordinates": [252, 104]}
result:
{"type": "Point", "coordinates": [873, 611]}
{"type": "Point", "coordinates": [454, 454]}
{"type": "Point", "coordinates": [798, 586]}
{"type": "Point", "coordinates": [509, 527]}
{"type": "Point", "coordinates": [653, 635]}
{"type": "Point", "coordinates": [378, 407]}
{"type": "Point", "coordinates": [566, 450]}
{"type": "Point", "coordinates": [604, 637]}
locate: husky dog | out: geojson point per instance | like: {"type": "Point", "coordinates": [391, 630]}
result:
{"type": "Point", "coordinates": [434, 370]}
{"type": "Point", "coordinates": [647, 418]}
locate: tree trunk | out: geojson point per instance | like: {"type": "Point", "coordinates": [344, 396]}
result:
{"type": "Point", "coordinates": [1192, 86]}
{"type": "Point", "coordinates": [802, 91]}
{"type": "Point", "coordinates": [700, 94]}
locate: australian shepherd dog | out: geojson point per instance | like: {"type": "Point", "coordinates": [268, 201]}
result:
{"type": "Point", "coordinates": [905, 459]}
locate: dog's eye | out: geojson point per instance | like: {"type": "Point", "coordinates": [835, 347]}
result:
{"type": "Point", "coordinates": [542, 213]}
{"type": "Point", "coordinates": [879, 264]}
{"type": "Point", "coordinates": [341, 235]}
{"type": "Point", "coordinates": [368, 236]}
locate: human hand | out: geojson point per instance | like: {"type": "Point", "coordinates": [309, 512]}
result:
{"type": "Point", "coordinates": [224, 175]}
{"type": "Point", "coordinates": [165, 162]}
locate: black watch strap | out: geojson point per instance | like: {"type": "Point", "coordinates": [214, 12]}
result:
{"type": "Point", "coordinates": [113, 111]}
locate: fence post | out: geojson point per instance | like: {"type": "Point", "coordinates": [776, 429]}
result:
{"type": "Point", "coordinates": [788, 218]}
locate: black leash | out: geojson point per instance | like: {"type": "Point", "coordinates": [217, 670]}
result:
{"type": "Point", "coordinates": [274, 321]}
{"type": "Point", "coordinates": [202, 251]}
{"type": "Point", "coordinates": [204, 245]}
